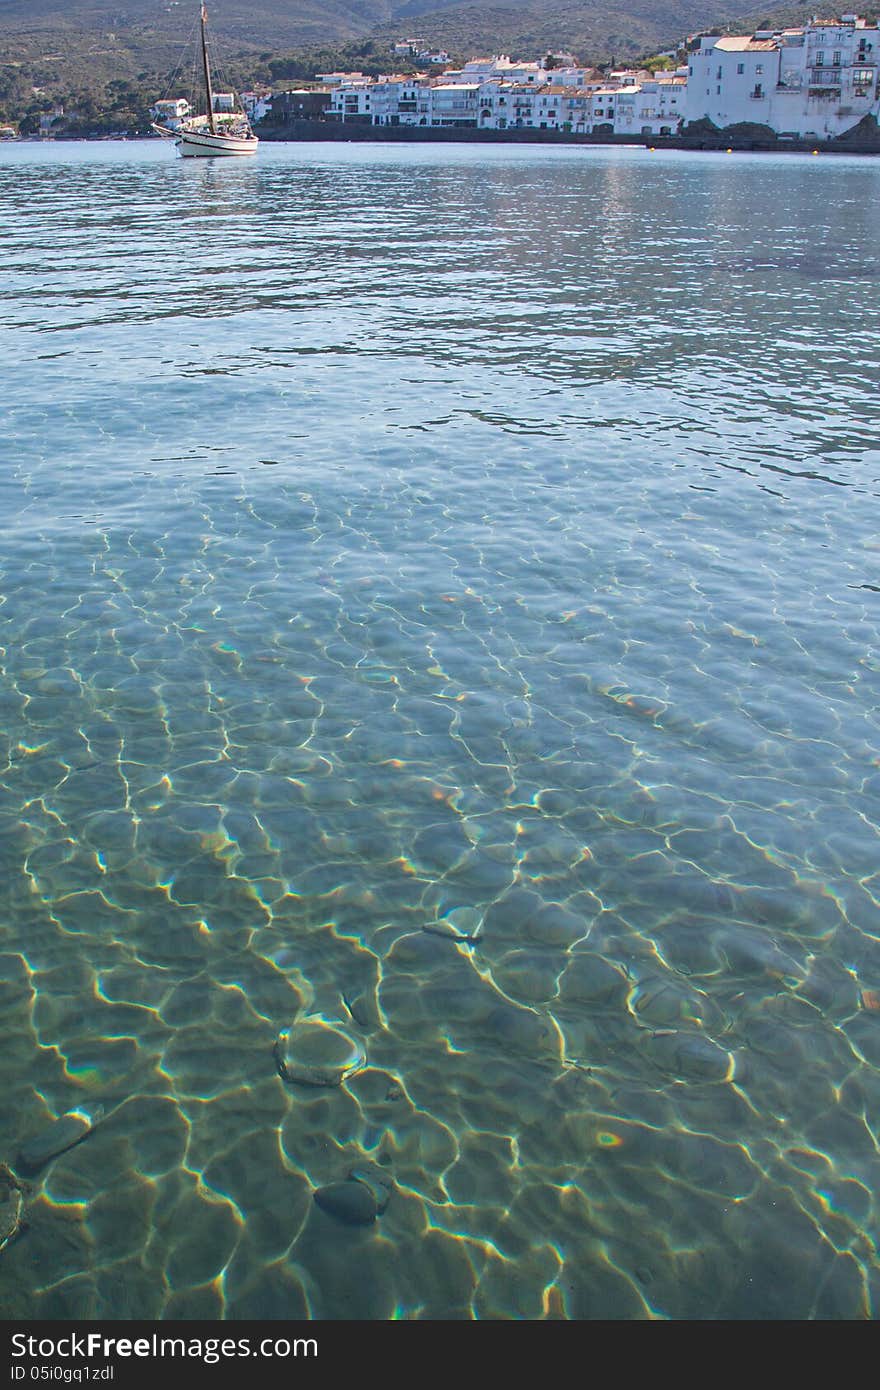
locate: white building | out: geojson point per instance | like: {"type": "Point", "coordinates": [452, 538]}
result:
{"type": "Point", "coordinates": [339, 79]}
{"type": "Point", "coordinates": [627, 77]}
{"type": "Point", "coordinates": [172, 109]}
{"type": "Point", "coordinates": [654, 107]}
{"type": "Point", "coordinates": [257, 105]}
{"type": "Point", "coordinates": [574, 76]}
{"type": "Point", "coordinates": [454, 104]}
{"type": "Point", "coordinates": [393, 100]}
{"type": "Point", "coordinates": [401, 101]}
{"type": "Point", "coordinates": [818, 81]}
{"type": "Point", "coordinates": [498, 68]}
{"type": "Point", "coordinates": [350, 101]}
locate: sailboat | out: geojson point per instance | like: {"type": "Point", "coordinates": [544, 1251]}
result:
{"type": "Point", "coordinates": [215, 133]}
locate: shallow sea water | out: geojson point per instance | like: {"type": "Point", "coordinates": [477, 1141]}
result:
{"type": "Point", "coordinates": [439, 604]}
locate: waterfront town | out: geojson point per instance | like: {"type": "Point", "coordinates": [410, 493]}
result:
{"type": "Point", "coordinates": [817, 81]}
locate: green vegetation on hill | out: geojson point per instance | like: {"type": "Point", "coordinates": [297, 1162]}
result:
{"type": "Point", "coordinates": [789, 16]}
{"type": "Point", "coordinates": [372, 58]}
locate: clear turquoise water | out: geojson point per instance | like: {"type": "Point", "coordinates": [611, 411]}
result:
{"type": "Point", "coordinates": [439, 597]}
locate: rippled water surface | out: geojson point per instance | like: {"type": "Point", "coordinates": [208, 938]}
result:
{"type": "Point", "coordinates": [439, 598]}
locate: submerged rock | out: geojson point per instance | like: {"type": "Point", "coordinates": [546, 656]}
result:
{"type": "Point", "coordinates": [56, 1138]}
{"type": "Point", "coordinates": [379, 1183]}
{"type": "Point", "coordinates": [690, 1056]}
{"type": "Point", "coordinates": [361, 1004]}
{"type": "Point", "coordinates": [666, 1003]}
{"type": "Point", "coordinates": [317, 1053]}
{"type": "Point", "coordinates": [350, 1201]}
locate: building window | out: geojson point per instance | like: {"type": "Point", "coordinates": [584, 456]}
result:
{"type": "Point", "coordinates": [759, 69]}
{"type": "Point", "coordinates": [740, 68]}
{"type": "Point", "coordinates": [759, 90]}
{"type": "Point", "coordinates": [718, 74]}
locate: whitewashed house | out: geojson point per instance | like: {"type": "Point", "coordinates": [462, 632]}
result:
{"type": "Point", "coordinates": [498, 68]}
{"type": "Point", "coordinates": [654, 107]}
{"type": "Point", "coordinates": [257, 105]}
{"type": "Point", "coordinates": [351, 96]}
{"type": "Point", "coordinates": [574, 76]}
{"type": "Point", "coordinates": [402, 101]}
{"type": "Point", "coordinates": [818, 81]}
{"type": "Point", "coordinates": [626, 77]}
{"type": "Point", "coordinates": [170, 110]}
{"type": "Point", "coordinates": [454, 104]}
{"type": "Point", "coordinates": [340, 79]}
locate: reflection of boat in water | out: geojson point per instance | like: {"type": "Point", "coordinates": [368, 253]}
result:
{"type": "Point", "coordinates": [214, 132]}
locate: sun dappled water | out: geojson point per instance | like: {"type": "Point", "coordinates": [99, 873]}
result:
{"type": "Point", "coordinates": [439, 632]}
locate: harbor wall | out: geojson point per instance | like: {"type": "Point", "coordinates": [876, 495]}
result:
{"type": "Point", "coordinates": [352, 131]}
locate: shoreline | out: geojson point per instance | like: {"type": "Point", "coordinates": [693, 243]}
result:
{"type": "Point", "coordinates": [329, 132]}
{"type": "Point", "coordinates": [350, 132]}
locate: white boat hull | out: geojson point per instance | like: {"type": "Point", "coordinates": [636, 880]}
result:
{"type": "Point", "coordinates": [195, 144]}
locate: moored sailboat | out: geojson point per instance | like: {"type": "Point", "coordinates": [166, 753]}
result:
{"type": "Point", "coordinates": [215, 132]}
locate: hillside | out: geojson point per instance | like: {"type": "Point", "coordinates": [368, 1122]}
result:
{"type": "Point", "coordinates": [145, 30]}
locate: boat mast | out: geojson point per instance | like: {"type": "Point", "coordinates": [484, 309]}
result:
{"type": "Point", "coordinates": [208, 91]}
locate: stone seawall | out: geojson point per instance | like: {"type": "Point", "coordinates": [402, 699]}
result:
{"type": "Point", "coordinates": [404, 134]}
